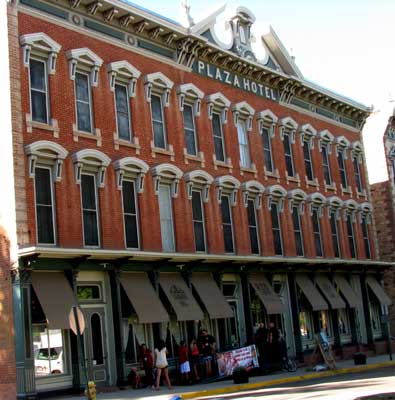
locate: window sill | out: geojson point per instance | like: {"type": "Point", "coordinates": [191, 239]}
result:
{"type": "Point", "coordinates": [167, 152]}
{"type": "Point", "coordinates": [331, 187]}
{"type": "Point", "coordinates": [250, 170]}
{"type": "Point", "coordinates": [133, 144]}
{"type": "Point", "coordinates": [96, 135]}
{"type": "Point", "coordinates": [227, 164]}
{"type": "Point", "coordinates": [271, 174]}
{"type": "Point", "coordinates": [190, 157]}
{"type": "Point", "coordinates": [346, 190]}
{"type": "Point", "coordinates": [362, 194]}
{"type": "Point", "coordinates": [295, 179]}
{"type": "Point", "coordinates": [313, 183]}
{"type": "Point", "coordinates": [52, 127]}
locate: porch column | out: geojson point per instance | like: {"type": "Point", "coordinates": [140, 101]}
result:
{"type": "Point", "coordinates": [24, 355]}
{"type": "Point", "coordinates": [366, 311]}
{"type": "Point", "coordinates": [295, 315]}
{"type": "Point", "coordinates": [119, 339]}
{"type": "Point", "coordinates": [245, 288]}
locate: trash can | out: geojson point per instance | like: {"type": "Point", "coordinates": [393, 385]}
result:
{"type": "Point", "coordinates": [359, 359]}
{"type": "Point", "coordinates": [240, 375]}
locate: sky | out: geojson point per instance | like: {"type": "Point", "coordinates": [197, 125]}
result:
{"type": "Point", "coordinates": [347, 46]}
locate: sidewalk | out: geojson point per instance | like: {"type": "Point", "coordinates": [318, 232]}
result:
{"type": "Point", "coordinates": [216, 388]}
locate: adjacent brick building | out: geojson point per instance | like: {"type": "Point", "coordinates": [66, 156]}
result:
{"type": "Point", "coordinates": [383, 198]}
{"type": "Point", "coordinates": [165, 183]}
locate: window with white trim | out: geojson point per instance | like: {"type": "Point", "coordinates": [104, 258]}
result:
{"type": "Point", "coordinates": [227, 224]}
{"type": "Point", "coordinates": [289, 164]}
{"type": "Point", "coordinates": [90, 210]}
{"type": "Point", "coordinates": [276, 230]}
{"type": "Point", "coordinates": [326, 166]}
{"type": "Point", "coordinates": [198, 221]}
{"type": "Point", "coordinates": [45, 167]}
{"type": "Point", "coordinates": [219, 145]}
{"type": "Point", "coordinates": [267, 122]}
{"type": "Point", "coordinates": [342, 168]}
{"type": "Point", "coordinates": [84, 70]}
{"type": "Point", "coordinates": [242, 116]}
{"type": "Point", "coordinates": [244, 149]}
{"type": "Point", "coordinates": [307, 134]}
{"type": "Point", "coordinates": [253, 227]}
{"type": "Point", "coordinates": [123, 79]}
{"type": "Point", "coordinates": [190, 103]}
{"type": "Point", "coordinates": [157, 90]}
{"type": "Point", "coordinates": [343, 322]}
{"type": "Point", "coordinates": [308, 163]}
{"type": "Point", "coordinates": [217, 108]}
{"type": "Point", "coordinates": [365, 234]}
{"type": "Point", "coordinates": [130, 214]}
{"type": "Point", "coordinates": [89, 169]}
{"type": "Point", "coordinates": [350, 235]}
{"type": "Point", "coordinates": [298, 231]}
{"type": "Point", "coordinates": [166, 218]}
{"type": "Point", "coordinates": [315, 219]}
{"type": "Point", "coordinates": [334, 233]}
{"type": "Point", "coordinates": [39, 55]}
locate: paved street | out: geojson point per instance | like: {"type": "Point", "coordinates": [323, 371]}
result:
{"type": "Point", "coordinates": [345, 387]}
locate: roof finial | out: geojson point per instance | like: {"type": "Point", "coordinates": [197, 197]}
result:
{"type": "Point", "coordinates": [187, 8]}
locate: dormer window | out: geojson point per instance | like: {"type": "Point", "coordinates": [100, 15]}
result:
{"type": "Point", "coordinates": [84, 68]}
{"type": "Point", "coordinates": [157, 91]}
{"type": "Point", "coordinates": [217, 107]}
{"type": "Point", "coordinates": [39, 55]}
{"type": "Point", "coordinates": [190, 104]}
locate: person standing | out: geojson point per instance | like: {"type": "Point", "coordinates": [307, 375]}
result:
{"type": "Point", "coordinates": [185, 368]}
{"type": "Point", "coordinates": [161, 365]}
{"type": "Point", "coordinates": [261, 336]}
{"type": "Point", "coordinates": [206, 344]}
{"type": "Point", "coordinates": [194, 351]}
{"type": "Point", "coordinates": [273, 344]}
{"type": "Point", "coordinates": [147, 363]}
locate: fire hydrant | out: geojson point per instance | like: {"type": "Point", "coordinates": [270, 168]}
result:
{"type": "Point", "coordinates": [91, 391]}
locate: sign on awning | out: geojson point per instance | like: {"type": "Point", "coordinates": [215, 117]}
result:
{"type": "Point", "coordinates": [180, 297]}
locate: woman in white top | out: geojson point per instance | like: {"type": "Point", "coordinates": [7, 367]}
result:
{"type": "Point", "coordinates": [161, 365]}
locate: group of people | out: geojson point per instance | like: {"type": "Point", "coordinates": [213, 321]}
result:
{"type": "Point", "coordinates": [155, 364]}
{"type": "Point", "coordinates": [268, 342]}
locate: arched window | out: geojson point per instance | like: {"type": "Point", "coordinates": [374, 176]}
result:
{"type": "Point", "coordinates": [325, 141]}
{"type": "Point", "coordinates": [287, 134]}
{"type": "Point", "coordinates": [335, 205]}
{"type": "Point", "coordinates": [350, 208]}
{"type": "Point", "coordinates": [316, 202]}
{"type": "Point", "coordinates": [296, 200]}
{"type": "Point", "coordinates": [357, 161]}
{"type": "Point", "coordinates": [307, 134]}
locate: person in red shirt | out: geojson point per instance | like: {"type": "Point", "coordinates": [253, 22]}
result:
{"type": "Point", "coordinates": [147, 363]}
{"type": "Point", "coordinates": [185, 368]}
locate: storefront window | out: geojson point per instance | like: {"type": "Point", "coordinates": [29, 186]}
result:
{"type": "Point", "coordinates": [374, 308]}
{"type": "Point", "coordinates": [305, 323]}
{"type": "Point", "coordinates": [324, 322]}
{"type": "Point", "coordinates": [343, 322]}
{"type": "Point", "coordinates": [88, 292]}
{"type": "Point", "coordinates": [49, 354]}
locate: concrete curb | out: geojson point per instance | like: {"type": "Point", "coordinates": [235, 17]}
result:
{"type": "Point", "coordinates": [281, 381]}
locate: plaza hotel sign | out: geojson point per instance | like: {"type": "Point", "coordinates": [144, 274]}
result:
{"type": "Point", "coordinates": [211, 71]}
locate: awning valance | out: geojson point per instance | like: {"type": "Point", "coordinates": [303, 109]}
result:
{"type": "Point", "coordinates": [330, 292]}
{"type": "Point", "coordinates": [55, 296]}
{"type": "Point", "coordinates": [211, 296]}
{"type": "Point", "coordinates": [180, 297]}
{"type": "Point", "coordinates": [142, 295]}
{"type": "Point", "coordinates": [378, 290]}
{"type": "Point", "coordinates": [264, 290]}
{"type": "Point", "coordinates": [310, 291]}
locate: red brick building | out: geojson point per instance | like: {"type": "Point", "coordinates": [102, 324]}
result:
{"type": "Point", "coordinates": [164, 183]}
{"type": "Point", "coordinates": [383, 208]}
